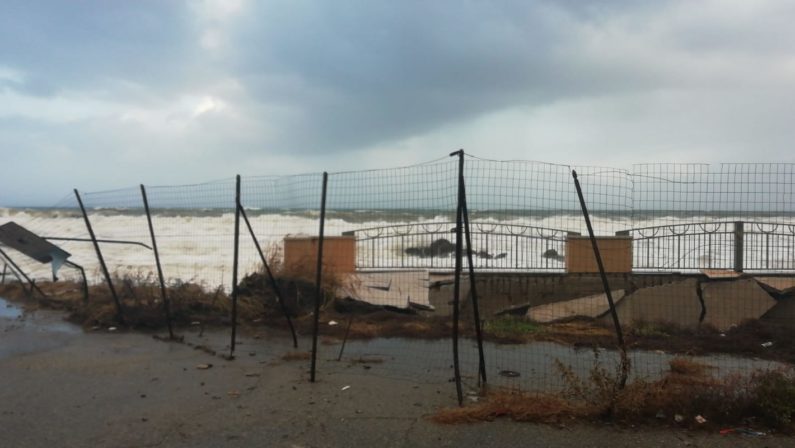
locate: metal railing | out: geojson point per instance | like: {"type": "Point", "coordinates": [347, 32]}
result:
{"type": "Point", "coordinates": [731, 245]}
{"type": "Point", "coordinates": [430, 245]}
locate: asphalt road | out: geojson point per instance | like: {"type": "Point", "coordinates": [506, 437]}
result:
{"type": "Point", "coordinates": [62, 387]}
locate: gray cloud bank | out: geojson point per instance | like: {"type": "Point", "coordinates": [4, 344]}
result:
{"type": "Point", "coordinates": [98, 94]}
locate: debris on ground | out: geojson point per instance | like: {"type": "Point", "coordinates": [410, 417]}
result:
{"type": "Point", "coordinates": [204, 366]}
{"type": "Point", "coordinates": [743, 431]}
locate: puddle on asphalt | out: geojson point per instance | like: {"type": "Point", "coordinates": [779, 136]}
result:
{"type": "Point", "coordinates": [41, 321]}
{"type": "Point", "coordinates": [536, 365]}
{"type": "Point", "coordinates": [8, 311]}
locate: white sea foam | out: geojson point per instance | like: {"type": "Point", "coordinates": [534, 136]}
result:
{"type": "Point", "coordinates": [199, 247]}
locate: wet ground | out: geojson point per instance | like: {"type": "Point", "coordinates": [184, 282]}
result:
{"type": "Point", "coordinates": [536, 364]}
{"type": "Point", "coordinates": [60, 386]}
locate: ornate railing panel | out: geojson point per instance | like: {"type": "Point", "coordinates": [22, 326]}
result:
{"type": "Point", "coordinates": [735, 245]}
{"type": "Point", "coordinates": [768, 246]}
{"type": "Point", "coordinates": [431, 245]}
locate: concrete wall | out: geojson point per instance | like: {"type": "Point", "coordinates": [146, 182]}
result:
{"type": "Point", "coordinates": [500, 291]}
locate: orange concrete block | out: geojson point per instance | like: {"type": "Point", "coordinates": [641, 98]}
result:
{"type": "Point", "coordinates": [616, 254]}
{"type": "Point", "coordinates": [339, 253]}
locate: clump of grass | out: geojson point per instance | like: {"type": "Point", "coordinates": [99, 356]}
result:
{"type": "Point", "coordinates": [688, 389]}
{"type": "Point", "coordinates": [141, 302]}
{"type": "Point", "coordinates": [514, 405]}
{"type": "Point", "coordinates": [774, 395]}
{"type": "Point", "coordinates": [687, 366]}
{"type": "Point", "coordinates": [295, 281]}
{"type": "Point", "coordinates": [511, 328]}
{"type": "Point", "coordinates": [598, 391]}
{"type": "Point", "coordinates": [296, 356]}
{"type": "Point", "coordinates": [655, 330]}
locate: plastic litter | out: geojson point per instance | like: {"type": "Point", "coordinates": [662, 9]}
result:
{"type": "Point", "coordinates": [345, 387]}
{"type": "Point", "coordinates": [743, 431]}
{"type": "Point", "coordinates": [700, 420]}
{"type": "Point", "coordinates": [332, 322]}
{"type": "Point", "coordinates": [767, 344]}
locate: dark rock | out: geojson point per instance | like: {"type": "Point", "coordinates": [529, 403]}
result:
{"type": "Point", "coordinates": [444, 248]}
{"type": "Point", "coordinates": [438, 248]}
{"type": "Point", "coordinates": [552, 254]}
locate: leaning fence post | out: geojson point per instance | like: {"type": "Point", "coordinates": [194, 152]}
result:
{"type": "Point", "coordinates": [318, 276]}
{"type": "Point", "coordinates": [739, 245]}
{"type": "Point", "coordinates": [3, 278]}
{"type": "Point", "coordinates": [276, 290]}
{"type": "Point", "coordinates": [163, 294]}
{"type": "Point", "coordinates": [457, 282]}
{"type": "Point", "coordinates": [15, 267]}
{"type": "Point", "coordinates": [605, 284]}
{"type": "Point", "coordinates": [234, 267]}
{"type": "Point", "coordinates": [119, 310]}
{"type": "Point", "coordinates": [472, 281]}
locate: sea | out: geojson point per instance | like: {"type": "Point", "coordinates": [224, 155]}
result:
{"type": "Point", "coordinates": [197, 245]}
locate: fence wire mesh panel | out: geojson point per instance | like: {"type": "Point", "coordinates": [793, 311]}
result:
{"type": "Point", "coordinates": [699, 260]}
{"type": "Point", "coordinates": [389, 254]}
{"type": "Point", "coordinates": [194, 225]}
{"type": "Point", "coordinates": [277, 278]}
{"type": "Point", "coordinates": [696, 300]}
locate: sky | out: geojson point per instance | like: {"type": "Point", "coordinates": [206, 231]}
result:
{"type": "Point", "coordinates": [99, 95]}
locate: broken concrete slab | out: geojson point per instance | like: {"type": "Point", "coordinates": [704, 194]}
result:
{"type": "Point", "coordinates": [592, 306]}
{"type": "Point", "coordinates": [396, 289]}
{"type": "Point", "coordinates": [514, 293]}
{"type": "Point", "coordinates": [717, 274]}
{"type": "Point", "coordinates": [730, 303]}
{"type": "Point", "coordinates": [675, 302]}
{"type": "Point", "coordinates": [777, 285]}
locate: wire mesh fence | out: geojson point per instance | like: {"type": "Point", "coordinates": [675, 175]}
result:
{"type": "Point", "coordinates": [699, 262]}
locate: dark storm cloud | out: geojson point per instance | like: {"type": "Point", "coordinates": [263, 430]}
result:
{"type": "Point", "coordinates": [368, 71]}
{"type": "Point", "coordinates": [83, 45]}
{"type": "Point", "coordinates": [98, 94]}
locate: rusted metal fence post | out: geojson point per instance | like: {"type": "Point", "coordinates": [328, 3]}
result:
{"type": "Point", "coordinates": [234, 268]}
{"type": "Point", "coordinates": [119, 309]}
{"type": "Point", "coordinates": [605, 284]}
{"type": "Point", "coordinates": [15, 269]}
{"type": "Point", "coordinates": [163, 292]}
{"type": "Point", "coordinates": [472, 280]}
{"type": "Point", "coordinates": [459, 227]}
{"type": "Point", "coordinates": [318, 277]}
{"type": "Point", "coordinates": [276, 290]}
